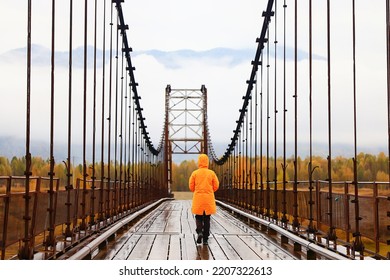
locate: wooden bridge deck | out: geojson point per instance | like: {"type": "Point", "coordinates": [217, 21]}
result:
{"type": "Point", "coordinates": [168, 233]}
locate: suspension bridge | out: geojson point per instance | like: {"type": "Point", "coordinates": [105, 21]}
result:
{"type": "Point", "coordinates": [269, 205]}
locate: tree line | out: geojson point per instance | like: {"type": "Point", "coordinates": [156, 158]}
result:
{"type": "Point", "coordinates": [369, 168]}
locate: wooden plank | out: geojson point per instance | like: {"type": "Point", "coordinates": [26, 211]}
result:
{"type": "Point", "coordinates": [177, 205]}
{"type": "Point", "coordinates": [173, 224]}
{"type": "Point", "coordinates": [169, 232]}
{"type": "Point", "coordinates": [144, 224]}
{"type": "Point", "coordinates": [165, 206]}
{"type": "Point", "coordinates": [174, 248]}
{"type": "Point", "coordinates": [225, 246]}
{"type": "Point", "coordinates": [245, 252]}
{"type": "Point", "coordinates": [142, 248]}
{"type": "Point", "coordinates": [204, 252]}
{"type": "Point", "coordinates": [233, 225]}
{"type": "Point", "coordinates": [190, 252]}
{"type": "Point", "coordinates": [112, 248]}
{"type": "Point", "coordinates": [160, 247]}
{"type": "Point", "coordinates": [265, 252]}
{"type": "Point", "coordinates": [191, 218]}
{"type": "Point", "coordinates": [215, 249]}
{"type": "Point", "coordinates": [280, 251]}
{"type": "Point", "coordinates": [192, 224]}
{"type": "Point", "coordinates": [215, 225]}
{"type": "Point", "coordinates": [126, 248]}
{"type": "Point", "coordinates": [273, 244]}
{"type": "Point", "coordinates": [185, 226]}
{"type": "Point", "coordinates": [160, 222]}
{"type": "Point", "coordinates": [225, 225]}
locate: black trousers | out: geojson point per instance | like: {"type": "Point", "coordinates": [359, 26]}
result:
{"type": "Point", "coordinates": [203, 225]}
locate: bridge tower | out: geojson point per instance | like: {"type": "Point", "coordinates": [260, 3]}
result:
{"type": "Point", "coordinates": [185, 129]}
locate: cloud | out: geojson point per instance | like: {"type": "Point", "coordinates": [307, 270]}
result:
{"type": "Point", "coordinates": [223, 71]}
{"type": "Point", "coordinates": [41, 56]}
{"type": "Point", "coordinates": [216, 56]}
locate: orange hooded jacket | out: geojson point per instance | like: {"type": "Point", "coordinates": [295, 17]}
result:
{"type": "Point", "coordinates": [203, 183]}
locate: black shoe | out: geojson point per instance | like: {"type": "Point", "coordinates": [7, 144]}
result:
{"type": "Point", "coordinates": [199, 239]}
{"type": "Point", "coordinates": [205, 242]}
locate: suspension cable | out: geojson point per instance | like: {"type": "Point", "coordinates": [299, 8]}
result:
{"type": "Point", "coordinates": [83, 203]}
{"type": "Point", "coordinates": [268, 197]}
{"type": "Point", "coordinates": [50, 240]}
{"type": "Point", "coordinates": [295, 187]}
{"type": "Point", "coordinates": [284, 164]}
{"type": "Point", "coordinates": [275, 216]}
{"type": "Point", "coordinates": [115, 190]}
{"type": "Point", "coordinates": [93, 187]}
{"type": "Point", "coordinates": [26, 252]}
{"type": "Point", "coordinates": [102, 174]}
{"type": "Point", "coordinates": [357, 244]}
{"type": "Point", "coordinates": [68, 232]}
{"type": "Point", "coordinates": [331, 232]}
{"type": "Point", "coordinates": [121, 136]}
{"type": "Point", "coordinates": [108, 202]}
{"type": "Point", "coordinates": [261, 40]}
{"type": "Point", "coordinates": [261, 139]}
{"type": "Point", "coordinates": [311, 228]}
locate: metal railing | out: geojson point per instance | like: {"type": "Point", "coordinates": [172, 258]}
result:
{"type": "Point", "coordinates": [373, 204]}
{"type": "Point", "coordinates": [63, 219]}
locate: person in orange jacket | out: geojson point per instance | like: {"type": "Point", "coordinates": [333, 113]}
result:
{"type": "Point", "coordinates": [203, 183]}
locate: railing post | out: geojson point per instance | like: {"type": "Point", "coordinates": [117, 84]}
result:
{"type": "Point", "coordinates": [346, 214]}
{"type": "Point", "coordinates": [388, 228]}
{"type": "Point", "coordinates": [318, 204]}
{"type": "Point", "coordinates": [5, 217]}
{"type": "Point", "coordinates": [34, 214]}
{"type": "Point", "coordinates": [50, 240]}
{"type": "Point", "coordinates": [68, 204]}
{"type": "Point", "coordinates": [76, 203]}
{"type": "Point", "coordinates": [375, 201]}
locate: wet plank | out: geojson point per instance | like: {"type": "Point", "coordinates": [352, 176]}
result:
{"type": "Point", "coordinates": [126, 248]}
{"type": "Point", "coordinates": [173, 225]}
{"type": "Point", "coordinates": [226, 247]}
{"type": "Point", "coordinates": [263, 250]}
{"type": "Point", "coordinates": [168, 233]}
{"type": "Point", "coordinates": [144, 224]}
{"type": "Point", "coordinates": [280, 251]}
{"type": "Point", "coordinates": [159, 222]}
{"type": "Point", "coordinates": [189, 250]}
{"type": "Point", "coordinates": [142, 248]}
{"type": "Point", "coordinates": [216, 251]}
{"type": "Point", "coordinates": [185, 222]}
{"type": "Point", "coordinates": [204, 253]}
{"type": "Point", "coordinates": [243, 250]}
{"type": "Point", "coordinates": [174, 252]}
{"type": "Point", "coordinates": [160, 248]}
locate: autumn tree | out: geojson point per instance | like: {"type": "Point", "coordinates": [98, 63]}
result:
{"type": "Point", "coordinates": [5, 167]}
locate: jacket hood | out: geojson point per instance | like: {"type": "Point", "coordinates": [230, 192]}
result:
{"type": "Point", "coordinates": [203, 161]}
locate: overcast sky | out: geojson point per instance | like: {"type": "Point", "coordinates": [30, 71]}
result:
{"type": "Point", "coordinates": [199, 26]}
